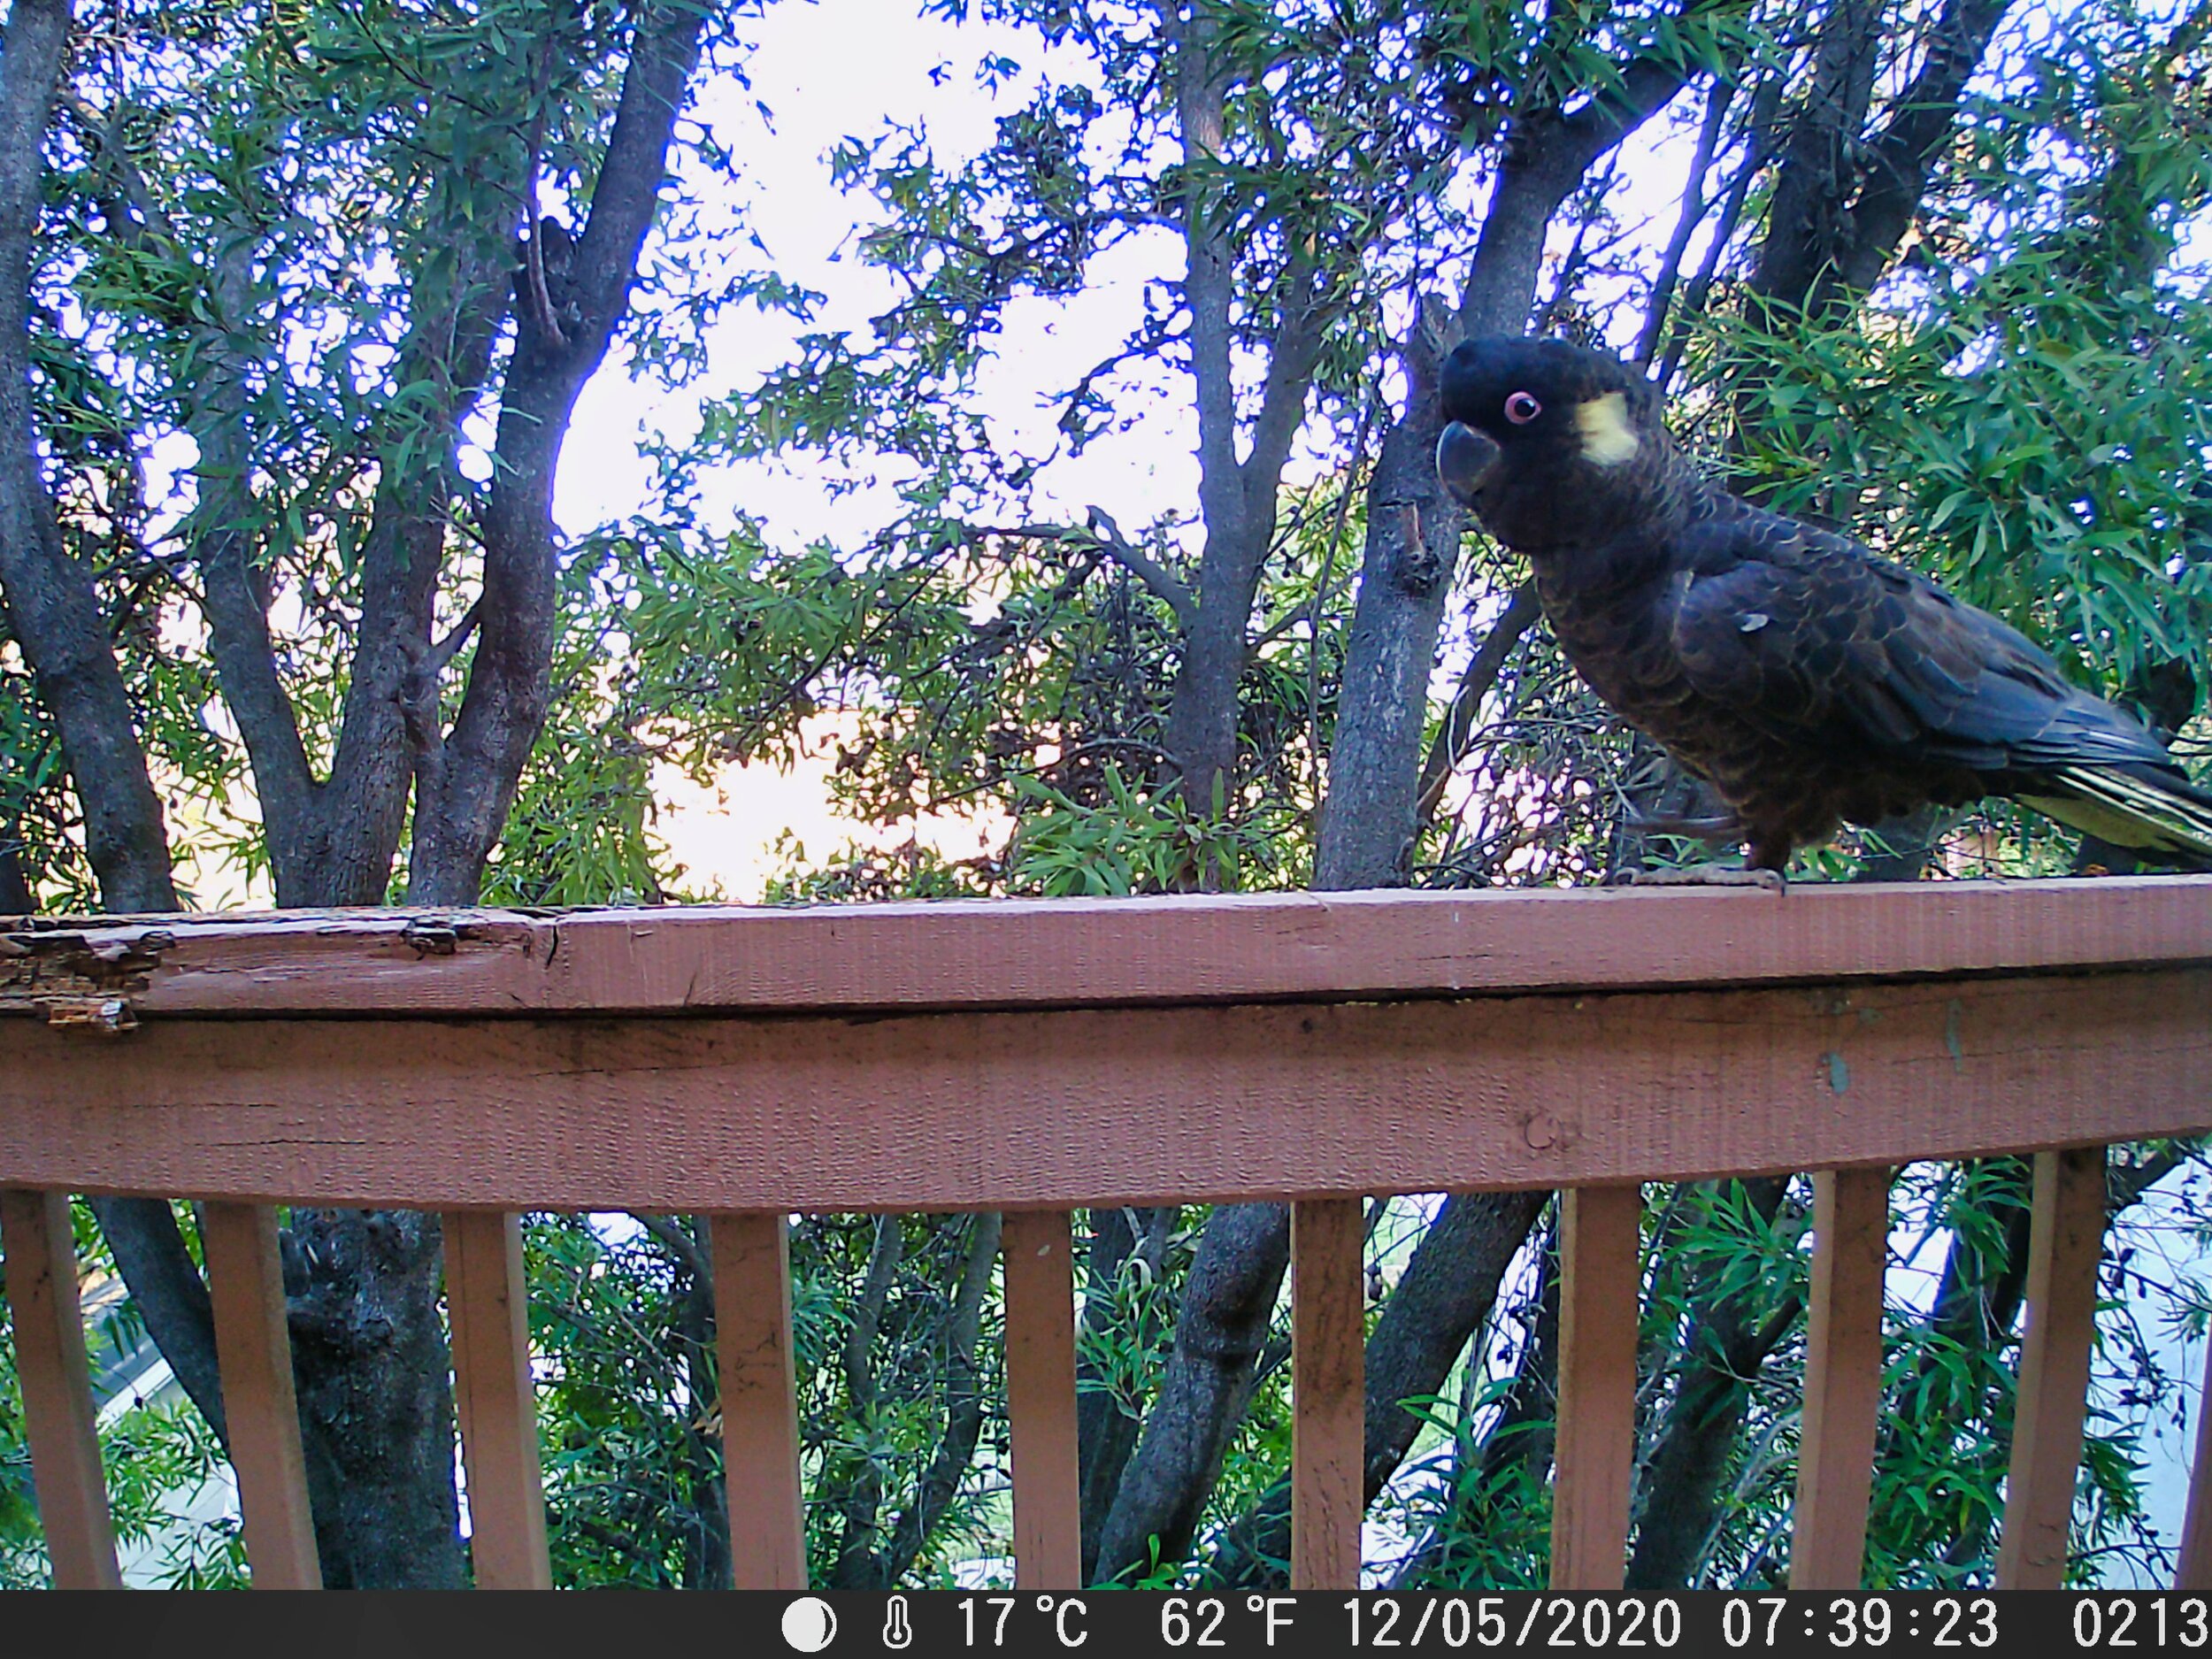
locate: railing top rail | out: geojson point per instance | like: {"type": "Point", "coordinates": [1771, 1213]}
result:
{"type": "Point", "coordinates": [1035, 1054]}
{"type": "Point", "coordinates": [1074, 953]}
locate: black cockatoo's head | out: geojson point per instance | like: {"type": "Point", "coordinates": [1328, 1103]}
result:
{"type": "Point", "coordinates": [1551, 445]}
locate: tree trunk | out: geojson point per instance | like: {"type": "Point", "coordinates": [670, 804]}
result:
{"type": "Point", "coordinates": [16, 897]}
{"type": "Point", "coordinates": [52, 607]}
{"type": "Point", "coordinates": [1106, 1434]}
{"type": "Point", "coordinates": [1227, 1306]}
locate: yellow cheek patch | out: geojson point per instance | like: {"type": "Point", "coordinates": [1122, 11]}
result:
{"type": "Point", "coordinates": [1608, 438]}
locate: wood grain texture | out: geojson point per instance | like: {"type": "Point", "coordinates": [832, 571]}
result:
{"type": "Point", "coordinates": [1328, 1393]}
{"type": "Point", "coordinates": [1076, 952]}
{"type": "Point", "coordinates": [254, 1350]}
{"type": "Point", "coordinates": [760, 1419]}
{"type": "Point", "coordinates": [1843, 1379]}
{"type": "Point", "coordinates": [1600, 1291]}
{"type": "Point", "coordinates": [1040, 1399]}
{"type": "Point", "coordinates": [2065, 1237]}
{"type": "Point", "coordinates": [57, 1412]}
{"type": "Point", "coordinates": [977, 1111]}
{"type": "Point", "coordinates": [2192, 1571]}
{"type": "Point", "coordinates": [496, 1399]}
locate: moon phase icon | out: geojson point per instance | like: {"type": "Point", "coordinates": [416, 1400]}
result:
{"type": "Point", "coordinates": [810, 1625]}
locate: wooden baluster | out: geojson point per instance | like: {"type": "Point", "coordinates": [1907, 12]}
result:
{"type": "Point", "coordinates": [760, 1420]}
{"type": "Point", "coordinates": [1041, 1399]}
{"type": "Point", "coordinates": [1843, 1378]}
{"type": "Point", "coordinates": [2065, 1237]}
{"type": "Point", "coordinates": [495, 1399]}
{"type": "Point", "coordinates": [2194, 1572]}
{"type": "Point", "coordinates": [1600, 1282]}
{"type": "Point", "coordinates": [58, 1414]}
{"type": "Point", "coordinates": [254, 1351]}
{"type": "Point", "coordinates": [1328, 1391]}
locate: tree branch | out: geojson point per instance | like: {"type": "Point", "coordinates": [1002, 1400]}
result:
{"type": "Point", "coordinates": [1455, 736]}
{"type": "Point", "coordinates": [1547, 153]}
{"type": "Point", "coordinates": [1842, 205]}
{"type": "Point", "coordinates": [1731, 1336]}
{"type": "Point", "coordinates": [461, 809]}
{"type": "Point", "coordinates": [51, 608]}
{"type": "Point", "coordinates": [1219, 1329]}
{"type": "Point", "coordinates": [221, 539]}
{"type": "Point", "coordinates": [1758, 142]}
{"type": "Point", "coordinates": [1201, 724]}
{"type": "Point", "coordinates": [1157, 578]}
{"type": "Point", "coordinates": [963, 1407]}
{"type": "Point", "coordinates": [539, 300]}
{"type": "Point", "coordinates": [683, 1247]}
{"type": "Point", "coordinates": [1807, 214]}
{"type": "Point", "coordinates": [1898, 162]}
{"type": "Point", "coordinates": [166, 1290]}
{"type": "Point", "coordinates": [1290, 365]}
{"type": "Point", "coordinates": [663, 56]}
{"type": "Point", "coordinates": [1201, 90]}
{"type": "Point", "coordinates": [440, 656]}
{"type": "Point", "coordinates": [1692, 214]}
{"type": "Point", "coordinates": [861, 1512]}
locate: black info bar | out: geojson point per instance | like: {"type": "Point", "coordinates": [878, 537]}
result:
{"type": "Point", "coordinates": [1122, 1624]}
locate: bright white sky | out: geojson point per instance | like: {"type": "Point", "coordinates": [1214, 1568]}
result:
{"type": "Point", "coordinates": [826, 72]}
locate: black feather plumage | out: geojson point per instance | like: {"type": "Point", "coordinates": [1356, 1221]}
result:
{"type": "Point", "coordinates": [1807, 679]}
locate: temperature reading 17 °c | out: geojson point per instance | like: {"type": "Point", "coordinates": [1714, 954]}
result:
{"type": "Point", "coordinates": [983, 1620]}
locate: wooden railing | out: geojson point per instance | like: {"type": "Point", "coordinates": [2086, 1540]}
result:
{"type": "Point", "coordinates": [1031, 1058]}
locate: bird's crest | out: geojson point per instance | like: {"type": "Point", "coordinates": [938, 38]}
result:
{"type": "Point", "coordinates": [1608, 437]}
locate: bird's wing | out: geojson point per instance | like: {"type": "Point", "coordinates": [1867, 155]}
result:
{"type": "Point", "coordinates": [1808, 633]}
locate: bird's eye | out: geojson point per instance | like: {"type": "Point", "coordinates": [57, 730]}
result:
{"type": "Point", "coordinates": [1520, 409]}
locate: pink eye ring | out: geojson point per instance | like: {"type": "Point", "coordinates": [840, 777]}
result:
{"type": "Point", "coordinates": [1520, 409]}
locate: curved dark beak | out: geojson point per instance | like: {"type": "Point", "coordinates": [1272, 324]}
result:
{"type": "Point", "coordinates": [1465, 458]}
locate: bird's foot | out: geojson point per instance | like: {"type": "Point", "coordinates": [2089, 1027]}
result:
{"type": "Point", "coordinates": [1707, 876]}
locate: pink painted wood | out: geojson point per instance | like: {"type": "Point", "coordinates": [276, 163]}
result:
{"type": "Point", "coordinates": [1328, 1393]}
{"type": "Point", "coordinates": [1843, 1378]}
{"type": "Point", "coordinates": [1041, 1399]}
{"type": "Point", "coordinates": [496, 1399]}
{"type": "Point", "coordinates": [2066, 1235]}
{"type": "Point", "coordinates": [55, 1379]}
{"type": "Point", "coordinates": [760, 1424]}
{"type": "Point", "coordinates": [1601, 1282]}
{"type": "Point", "coordinates": [254, 1349]}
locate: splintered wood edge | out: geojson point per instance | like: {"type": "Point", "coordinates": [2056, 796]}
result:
{"type": "Point", "coordinates": [1022, 953]}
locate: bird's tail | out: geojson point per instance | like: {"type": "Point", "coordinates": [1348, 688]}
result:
{"type": "Point", "coordinates": [2144, 809]}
